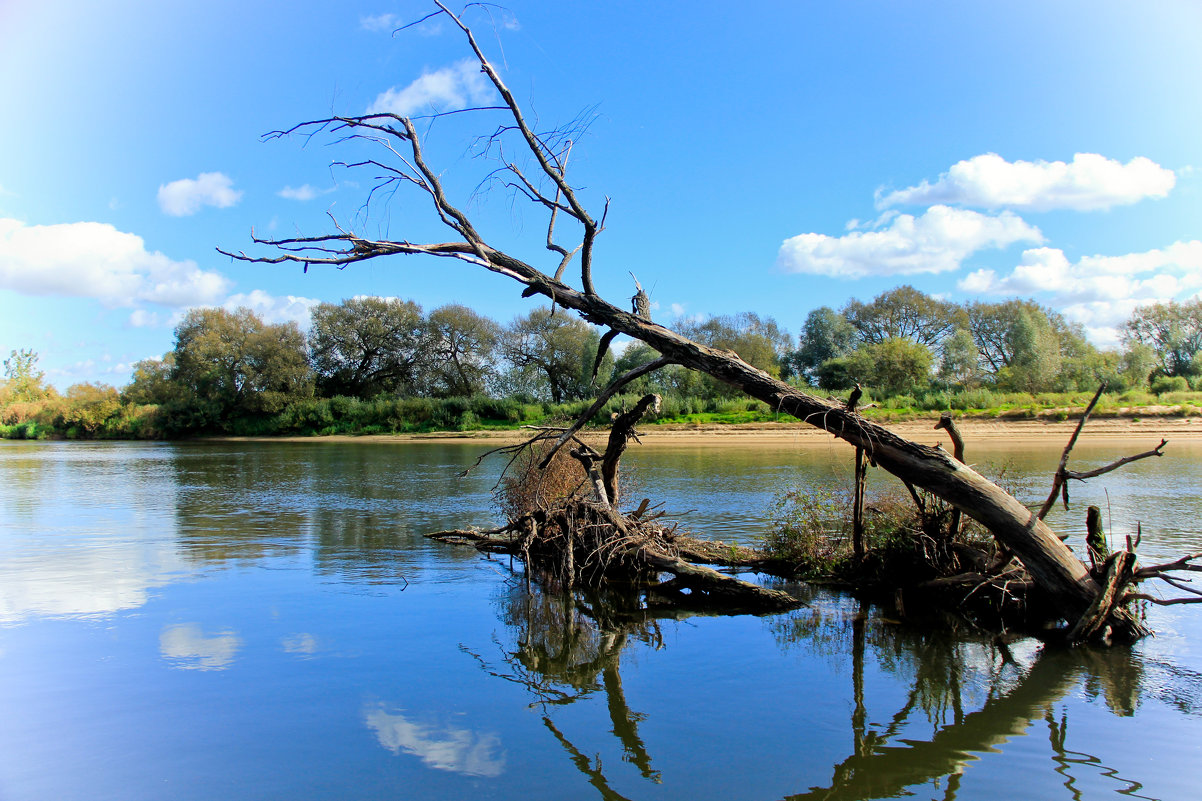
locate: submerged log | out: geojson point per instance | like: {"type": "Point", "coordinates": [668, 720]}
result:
{"type": "Point", "coordinates": [585, 540]}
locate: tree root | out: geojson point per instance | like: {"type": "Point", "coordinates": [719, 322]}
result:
{"type": "Point", "coordinates": [578, 542]}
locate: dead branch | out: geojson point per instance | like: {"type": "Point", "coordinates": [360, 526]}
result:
{"type": "Point", "coordinates": [949, 425]}
{"type": "Point", "coordinates": [620, 434]}
{"type": "Point", "coordinates": [1118, 572]}
{"type": "Point", "coordinates": [1063, 474]}
{"type": "Point", "coordinates": [1058, 482]}
{"type": "Point", "coordinates": [1184, 563]}
{"type": "Point", "coordinates": [550, 167]}
{"type": "Point", "coordinates": [601, 400]}
{"type": "Point", "coordinates": [1157, 451]}
{"type": "Point", "coordinates": [1140, 596]}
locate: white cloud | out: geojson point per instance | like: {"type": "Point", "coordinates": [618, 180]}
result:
{"type": "Point", "coordinates": [448, 89]}
{"type": "Point", "coordinates": [185, 196]}
{"type": "Point", "coordinates": [302, 193]}
{"type": "Point", "coordinates": [1091, 182]}
{"type": "Point", "coordinates": [391, 22]}
{"type": "Point", "coordinates": [272, 309]}
{"type": "Point", "coordinates": [936, 242]}
{"type": "Point", "coordinates": [1100, 292]}
{"type": "Point", "coordinates": [140, 318]}
{"type": "Point", "coordinates": [379, 22]}
{"type": "Point", "coordinates": [95, 260]}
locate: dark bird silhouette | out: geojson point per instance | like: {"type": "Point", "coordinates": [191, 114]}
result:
{"type": "Point", "coordinates": [854, 397]}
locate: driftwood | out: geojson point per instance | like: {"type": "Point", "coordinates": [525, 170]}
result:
{"type": "Point", "coordinates": [1051, 564]}
{"type": "Point", "coordinates": [630, 553]}
{"type": "Point", "coordinates": [584, 540]}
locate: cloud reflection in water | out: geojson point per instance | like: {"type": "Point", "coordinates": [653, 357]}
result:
{"type": "Point", "coordinates": [187, 647]}
{"type": "Point", "coordinates": [304, 644]}
{"type": "Point", "coordinates": [442, 748]}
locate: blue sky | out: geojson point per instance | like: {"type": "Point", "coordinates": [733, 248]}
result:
{"type": "Point", "coordinates": [768, 157]}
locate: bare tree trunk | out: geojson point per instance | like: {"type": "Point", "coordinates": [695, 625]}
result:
{"type": "Point", "coordinates": [1050, 562]}
{"type": "Point", "coordinates": [857, 512]}
{"type": "Point", "coordinates": [947, 423]}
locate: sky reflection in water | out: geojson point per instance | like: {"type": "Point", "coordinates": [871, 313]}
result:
{"type": "Point", "coordinates": [234, 620]}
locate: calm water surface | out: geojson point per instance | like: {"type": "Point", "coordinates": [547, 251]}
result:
{"type": "Point", "coordinates": [263, 621]}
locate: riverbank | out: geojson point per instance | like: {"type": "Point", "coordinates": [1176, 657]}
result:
{"type": "Point", "coordinates": [1149, 429]}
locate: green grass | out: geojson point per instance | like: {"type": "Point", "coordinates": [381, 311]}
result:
{"type": "Point", "coordinates": [352, 416]}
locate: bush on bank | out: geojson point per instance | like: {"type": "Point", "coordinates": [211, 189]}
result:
{"type": "Point", "coordinates": [101, 414]}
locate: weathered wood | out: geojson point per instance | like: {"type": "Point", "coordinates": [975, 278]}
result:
{"type": "Point", "coordinates": [1095, 537]}
{"type": "Point", "coordinates": [949, 425]}
{"type": "Point", "coordinates": [735, 592]}
{"type": "Point", "coordinates": [857, 512]}
{"type": "Point", "coordinates": [1118, 571]}
{"type": "Point", "coordinates": [620, 434]}
{"type": "Point", "coordinates": [588, 460]}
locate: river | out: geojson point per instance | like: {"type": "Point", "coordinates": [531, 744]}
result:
{"type": "Point", "coordinates": [266, 621]}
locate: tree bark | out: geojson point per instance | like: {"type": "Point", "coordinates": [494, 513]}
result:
{"type": "Point", "coordinates": [1050, 562]}
{"type": "Point", "coordinates": [857, 512]}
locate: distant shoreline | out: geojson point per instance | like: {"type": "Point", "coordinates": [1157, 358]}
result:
{"type": "Point", "coordinates": [1149, 429]}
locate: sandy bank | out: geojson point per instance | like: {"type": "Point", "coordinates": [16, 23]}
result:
{"type": "Point", "coordinates": [1147, 429]}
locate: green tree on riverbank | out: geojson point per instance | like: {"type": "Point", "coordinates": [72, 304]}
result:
{"type": "Point", "coordinates": [375, 365]}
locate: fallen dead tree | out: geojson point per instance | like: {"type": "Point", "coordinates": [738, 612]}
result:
{"type": "Point", "coordinates": [532, 164]}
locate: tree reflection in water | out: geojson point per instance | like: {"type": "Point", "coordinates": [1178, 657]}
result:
{"type": "Point", "coordinates": [970, 697]}
{"type": "Point", "coordinates": [569, 646]}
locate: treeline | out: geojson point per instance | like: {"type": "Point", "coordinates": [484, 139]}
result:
{"type": "Point", "coordinates": [371, 365]}
{"type": "Point", "coordinates": [906, 342]}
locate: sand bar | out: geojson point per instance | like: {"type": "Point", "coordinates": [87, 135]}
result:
{"type": "Point", "coordinates": [1137, 430]}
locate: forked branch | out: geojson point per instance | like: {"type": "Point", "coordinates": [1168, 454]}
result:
{"type": "Point", "coordinates": [1063, 474]}
{"type": "Point", "coordinates": [601, 400]}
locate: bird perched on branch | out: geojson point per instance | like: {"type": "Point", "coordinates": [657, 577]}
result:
{"type": "Point", "coordinates": [854, 397]}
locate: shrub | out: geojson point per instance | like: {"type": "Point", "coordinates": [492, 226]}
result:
{"type": "Point", "coordinates": [810, 528]}
{"type": "Point", "coordinates": [901, 402]}
{"type": "Point", "coordinates": [1162, 385]}
{"type": "Point", "coordinates": [26, 430]}
{"type": "Point", "coordinates": [971, 399]}
{"type": "Point", "coordinates": [525, 488]}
